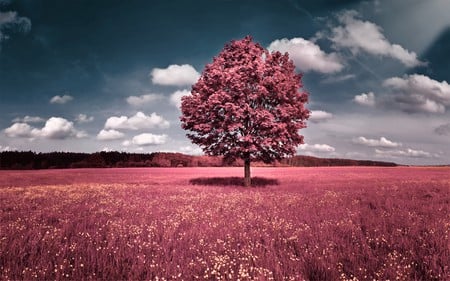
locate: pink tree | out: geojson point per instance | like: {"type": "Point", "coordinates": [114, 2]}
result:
{"type": "Point", "coordinates": [247, 104]}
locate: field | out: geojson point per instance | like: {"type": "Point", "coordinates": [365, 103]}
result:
{"type": "Point", "coordinates": [199, 224]}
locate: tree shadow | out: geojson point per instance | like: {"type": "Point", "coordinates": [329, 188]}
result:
{"type": "Point", "coordinates": [233, 181]}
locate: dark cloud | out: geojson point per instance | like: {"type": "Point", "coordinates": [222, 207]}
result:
{"type": "Point", "coordinates": [443, 130]}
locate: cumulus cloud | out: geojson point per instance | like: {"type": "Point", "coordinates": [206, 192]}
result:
{"type": "Point", "coordinates": [147, 139]}
{"type": "Point", "coordinates": [358, 35]}
{"type": "Point", "coordinates": [61, 99]}
{"type": "Point", "coordinates": [107, 135]}
{"type": "Point", "coordinates": [175, 75]}
{"type": "Point", "coordinates": [418, 93]}
{"type": "Point", "coordinates": [410, 153]}
{"type": "Point", "coordinates": [175, 98]}
{"type": "Point", "coordinates": [137, 122]}
{"type": "Point", "coordinates": [316, 147]}
{"type": "Point", "coordinates": [19, 130]}
{"type": "Point", "coordinates": [307, 56]}
{"type": "Point", "coordinates": [143, 99]}
{"type": "Point", "coordinates": [29, 119]}
{"type": "Point", "coordinates": [382, 142]}
{"type": "Point", "coordinates": [318, 116]}
{"type": "Point", "coordinates": [83, 118]}
{"type": "Point", "coordinates": [10, 22]}
{"type": "Point", "coordinates": [365, 99]}
{"type": "Point", "coordinates": [54, 128]}
{"type": "Point", "coordinates": [58, 128]}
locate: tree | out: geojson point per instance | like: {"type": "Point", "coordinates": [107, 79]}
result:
{"type": "Point", "coordinates": [246, 104]}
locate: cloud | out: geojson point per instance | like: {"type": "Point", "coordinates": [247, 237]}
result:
{"type": "Point", "coordinates": [175, 75]}
{"type": "Point", "coordinates": [136, 122]}
{"type": "Point", "coordinates": [11, 22]}
{"type": "Point", "coordinates": [382, 142]}
{"type": "Point", "coordinates": [307, 56]}
{"type": "Point", "coordinates": [443, 130]}
{"type": "Point", "coordinates": [336, 79]}
{"type": "Point", "coordinates": [365, 99]}
{"type": "Point", "coordinates": [175, 98]}
{"type": "Point", "coordinates": [410, 153]}
{"type": "Point", "coordinates": [316, 147]}
{"type": "Point", "coordinates": [143, 99]}
{"type": "Point", "coordinates": [29, 119]}
{"type": "Point", "coordinates": [106, 135]}
{"type": "Point", "coordinates": [191, 150]}
{"type": "Point", "coordinates": [61, 99]}
{"type": "Point", "coordinates": [19, 130]}
{"type": "Point", "coordinates": [83, 118]}
{"type": "Point", "coordinates": [358, 35]}
{"type": "Point", "coordinates": [54, 128]}
{"type": "Point", "coordinates": [6, 148]}
{"type": "Point", "coordinates": [147, 139]}
{"type": "Point", "coordinates": [318, 116]}
{"type": "Point", "coordinates": [418, 93]}
{"type": "Point", "coordinates": [58, 128]}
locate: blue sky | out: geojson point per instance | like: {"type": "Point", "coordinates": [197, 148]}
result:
{"type": "Point", "coordinates": [88, 76]}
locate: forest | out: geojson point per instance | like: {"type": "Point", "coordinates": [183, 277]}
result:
{"type": "Point", "coordinates": [29, 160]}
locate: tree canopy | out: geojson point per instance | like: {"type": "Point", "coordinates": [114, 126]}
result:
{"type": "Point", "coordinates": [248, 103]}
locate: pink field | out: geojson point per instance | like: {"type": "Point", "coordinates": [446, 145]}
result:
{"type": "Point", "coordinates": [198, 223]}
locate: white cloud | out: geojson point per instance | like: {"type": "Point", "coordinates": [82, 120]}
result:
{"type": "Point", "coordinates": [175, 98]}
{"type": "Point", "coordinates": [10, 21]}
{"type": "Point", "coordinates": [29, 119]}
{"type": "Point", "coordinates": [19, 130]}
{"type": "Point", "coordinates": [109, 135]}
{"type": "Point", "coordinates": [61, 99]}
{"type": "Point", "coordinates": [143, 99]}
{"type": "Point", "coordinates": [58, 128]}
{"type": "Point", "coordinates": [136, 122]}
{"type": "Point", "coordinates": [6, 148]}
{"type": "Point", "coordinates": [365, 99]}
{"type": "Point", "coordinates": [316, 147]}
{"type": "Point", "coordinates": [443, 130]}
{"type": "Point", "coordinates": [191, 150]}
{"type": "Point", "coordinates": [149, 139]}
{"type": "Point", "coordinates": [83, 118]}
{"type": "Point", "coordinates": [54, 128]}
{"type": "Point", "coordinates": [175, 75]}
{"type": "Point", "coordinates": [418, 93]}
{"type": "Point", "coordinates": [358, 35]}
{"type": "Point", "coordinates": [318, 116]}
{"type": "Point", "coordinates": [336, 79]}
{"type": "Point", "coordinates": [382, 142]}
{"type": "Point", "coordinates": [126, 143]}
{"type": "Point", "coordinates": [410, 153]}
{"type": "Point", "coordinates": [307, 56]}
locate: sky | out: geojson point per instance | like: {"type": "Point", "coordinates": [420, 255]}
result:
{"type": "Point", "coordinates": [87, 76]}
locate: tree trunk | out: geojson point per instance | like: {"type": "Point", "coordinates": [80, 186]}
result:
{"type": "Point", "coordinates": [247, 178]}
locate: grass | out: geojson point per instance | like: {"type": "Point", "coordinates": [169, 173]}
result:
{"type": "Point", "coordinates": [199, 223]}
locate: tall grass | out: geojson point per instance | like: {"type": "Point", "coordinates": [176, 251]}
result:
{"type": "Point", "coordinates": [153, 224]}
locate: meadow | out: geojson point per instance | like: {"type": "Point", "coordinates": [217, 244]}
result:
{"type": "Point", "coordinates": [339, 223]}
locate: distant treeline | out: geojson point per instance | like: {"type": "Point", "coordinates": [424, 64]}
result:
{"type": "Point", "coordinates": [27, 160]}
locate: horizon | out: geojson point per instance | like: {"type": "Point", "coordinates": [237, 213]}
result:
{"type": "Point", "coordinates": [107, 76]}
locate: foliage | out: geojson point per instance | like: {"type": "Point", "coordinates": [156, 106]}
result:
{"type": "Point", "coordinates": [27, 160]}
{"type": "Point", "coordinates": [246, 105]}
